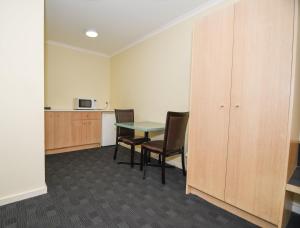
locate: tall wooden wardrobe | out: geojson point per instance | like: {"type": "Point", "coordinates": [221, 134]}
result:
{"type": "Point", "coordinates": [242, 101]}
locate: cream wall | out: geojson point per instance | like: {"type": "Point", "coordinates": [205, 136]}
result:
{"type": "Point", "coordinates": [71, 73]}
{"type": "Point", "coordinates": [153, 77]}
{"type": "Point", "coordinates": [22, 166]}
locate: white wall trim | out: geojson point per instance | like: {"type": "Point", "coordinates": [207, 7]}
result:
{"type": "Point", "coordinates": [172, 23]}
{"type": "Point", "coordinates": [23, 195]}
{"type": "Point", "coordinates": [296, 207]}
{"type": "Point", "coordinates": [60, 44]}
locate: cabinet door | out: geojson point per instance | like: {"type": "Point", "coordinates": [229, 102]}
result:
{"type": "Point", "coordinates": [77, 129]}
{"type": "Point", "coordinates": [91, 115]}
{"type": "Point", "coordinates": [210, 102]}
{"type": "Point", "coordinates": [63, 129]}
{"type": "Point", "coordinates": [49, 130]}
{"type": "Point", "coordinates": [257, 149]}
{"type": "Point", "coordinates": [92, 131]}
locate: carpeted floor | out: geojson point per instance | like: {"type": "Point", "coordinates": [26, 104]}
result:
{"type": "Point", "coordinates": [88, 189]}
{"type": "Point", "coordinates": [294, 221]}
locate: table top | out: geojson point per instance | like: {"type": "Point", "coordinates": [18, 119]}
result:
{"type": "Point", "coordinates": [145, 126]}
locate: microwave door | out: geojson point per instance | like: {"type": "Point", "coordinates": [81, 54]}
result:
{"type": "Point", "coordinates": [85, 103]}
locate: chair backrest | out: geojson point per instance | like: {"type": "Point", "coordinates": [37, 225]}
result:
{"type": "Point", "coordinates": [175, 131]}
{"type": "Point", "coordinates": [124, 116]}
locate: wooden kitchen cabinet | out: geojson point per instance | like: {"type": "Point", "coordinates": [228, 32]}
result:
{"type": "Point", "coordinates": [69, 131]}
{"type": "Point", "coordinates": [92, 131]}
{"type": "Point", "coordinates": [49, 130]}
{"type": "Point", "coordinates": [62, 129]}
{"type": "Point", "coordinates": [58, 130]}
{"type": "Point", "coordinates": [77, 128]}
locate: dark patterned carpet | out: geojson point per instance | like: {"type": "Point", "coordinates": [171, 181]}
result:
{"type": "Point", "coordinates": [88, 189]}
{"type": "Point", "coordinates": [294, 221]}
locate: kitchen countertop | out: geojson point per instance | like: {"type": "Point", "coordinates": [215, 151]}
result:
{"type": "Point", "coordinates": [81, 110]}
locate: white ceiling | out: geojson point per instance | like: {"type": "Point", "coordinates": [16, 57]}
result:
{"type": "Point", "coordinates": [120, 23]}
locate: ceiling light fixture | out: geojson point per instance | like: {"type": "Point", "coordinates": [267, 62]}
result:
{"type": "Point", "coordinates": [91, 33]}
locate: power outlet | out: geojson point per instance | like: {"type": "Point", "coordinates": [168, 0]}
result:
{"type": "Point", "coordinates": [106, 104]}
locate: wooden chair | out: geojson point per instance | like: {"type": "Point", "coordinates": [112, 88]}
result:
{"type": "Point", "coordinates": [172, 144]}
{"type": "Point", "coordinates": [126, 135]}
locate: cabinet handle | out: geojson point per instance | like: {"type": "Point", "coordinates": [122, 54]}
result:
{"type": "Point", "coordinates": [237, 105]}
{"type": "Point", "coordinates": [221, 106]}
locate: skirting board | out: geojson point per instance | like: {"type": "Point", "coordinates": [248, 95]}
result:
{"type": "Point", "coordinates": [23, 195]}
{"type": "Point", "coordinates": [296, 207]}
{"type": "Point", "coordinates": [73, 148]}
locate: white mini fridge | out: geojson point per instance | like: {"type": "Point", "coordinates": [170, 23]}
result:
{"type": "Point", "coordinates": [108, 128]}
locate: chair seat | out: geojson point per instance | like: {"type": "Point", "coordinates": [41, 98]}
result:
{"type": "Point", "coordinates": [154, 146]}
{"type": "Point", "coordinates": [132, 140]}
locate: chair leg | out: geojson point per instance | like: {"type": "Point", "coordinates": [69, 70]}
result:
{"type": "Point", "coordinates": [116, 150]}
{"type": "Point", "coordinates": [132, 156]}
{"type": "Point", "coordinates": [142, 158]}
{"type": "Point", "coordinates": [149, 157]}
{"type": "Point", "coordinates": [163, 169]}
{"type": "Point", "coordinates": [145, 163]}
{"type": "Point", "coordinates": [159, 159]}
{"type": "Point", "coordinates": [183, 163]}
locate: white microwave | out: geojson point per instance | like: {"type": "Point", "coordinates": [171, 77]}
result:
{"type": "Point", "coordinates": [84, 103]}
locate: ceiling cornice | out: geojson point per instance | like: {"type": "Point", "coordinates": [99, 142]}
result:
{"type": "Point", "coordinates": [172, 23]}
{"type": "Point", "coordinates": [61, 44]}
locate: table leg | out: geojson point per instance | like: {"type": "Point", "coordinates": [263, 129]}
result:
{"type": "Point", "coordinates": [148, 158]}
{"type": "Point", "coordinates": [146, 135]}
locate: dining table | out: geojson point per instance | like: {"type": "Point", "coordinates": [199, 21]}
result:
{"type": "Point", "coordinates": [143, 126]}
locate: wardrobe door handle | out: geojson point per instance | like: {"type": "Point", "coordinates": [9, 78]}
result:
{"type": "Point", "coordinates": [222, 106]}
{"type": "Point", "coordinates": [237, 106]}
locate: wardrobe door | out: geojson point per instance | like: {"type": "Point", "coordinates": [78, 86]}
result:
{"type": "Point", "coordinates": [261, 77]}
{"type": "Point", "coordinates": [210, 102]}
